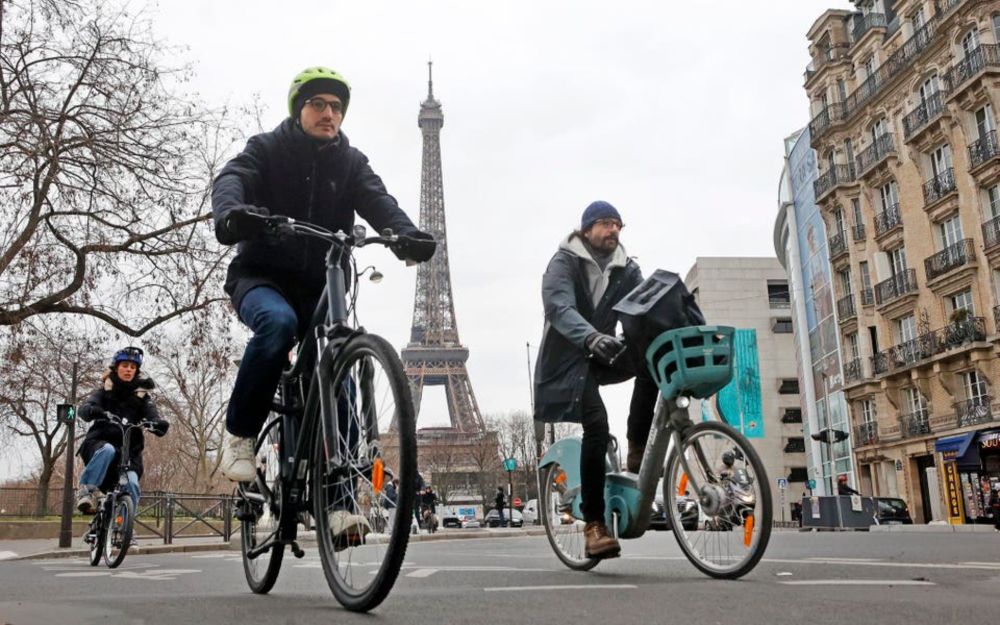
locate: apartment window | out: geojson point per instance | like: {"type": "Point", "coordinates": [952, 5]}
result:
{"type": "Point", "coordinates": [869, 66]}
{"type": "Point", "coordinates": [879, 128]}
{"type": "Point", "coordinates": [838, 220]}
{"type": "Point", "coordinates": [859, 218]}
{"type": "Point", "coordinates": [975, 385]}
{"type": "Point", "coordinates": [845, 281]}
{"type": "Point", "coordinates": [841, 89]}
{"type": "Point", "coordinates": [984, 122]}
{"type": "Point", "coordinates": [777, 294]}
{"type": "Point", "coordinates": [798, 474]}
{"type": "Point", "coordinates": [996, 28]}
{"type": "Point", "coordinates": [852, 346]}
{"type": "Point", "coordinates": [792, 415]}
{"type": "Point", "coordinates": [866, 276]}
{"type": "Point", "coordinates": [928, 89]}
{"type": "Point", "coordinates": [941, 160]}
{"type": "Point", "coordinates": [849, 150]}
{"type": "Point", "coordinates": [950, 231]}
{"type": "Point", "coordinates": [889, 195]}
{"type": "Point", "coordinates": [897, 261]}
{"type": "Point", "coordinates": [918, 19]}
{"type": "Point", "coordinates": [868, 413]}
{"type": "Point", "coordinates": [970, 42]}
{"type": "Point", "coordinates": [795, 445]}
{"type": "Point", "coordinates": [789, 386]}
{"type": "Point", "coordinates": [962, 301]}
{"type": "Point", "coordinates": [831, 161]}
{"type": "Point", "coordinates": [916, 402]}
{"type": "Point", "coordinates": [993, 193]}
{"type": "Point", "coordinates": [781, 325]}
{"type": "Point", "coordinates": [906, 329]}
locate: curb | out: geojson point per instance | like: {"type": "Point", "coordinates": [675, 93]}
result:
{"type": "Point", "coordinates": [154, 549]}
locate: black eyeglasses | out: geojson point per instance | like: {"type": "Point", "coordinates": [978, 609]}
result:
{"type": "Point", "coordinates": [319, 105]}
{"type": "Point", "coordinates": [609, 223]}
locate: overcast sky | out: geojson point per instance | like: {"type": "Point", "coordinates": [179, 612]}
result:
{"type": "Point", "coordinates": [673, 112]}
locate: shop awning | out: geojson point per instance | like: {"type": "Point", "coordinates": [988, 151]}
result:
{"type": "Point", "coordinates": [954, 447]}
{"type": "Point", "coordinates": [990, 435]}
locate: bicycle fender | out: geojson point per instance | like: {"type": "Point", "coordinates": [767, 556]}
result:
{"type": "Point", "coordinates": [565, 452]}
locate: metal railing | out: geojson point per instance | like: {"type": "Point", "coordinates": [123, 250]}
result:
{"type": "Point", "coordinates": [939, 186]}
{"type": "Point", "coordinates": [887, 220]}
{"type": "Point", "coordinates": [874, 154]}
{"type": "Point", "coordinates": [925, 113]}
{"type": "Point", "coordinates": [865, 23]}
{"type": "Point", "coordinates": [837, 244]}
{"type": "Point", "coordinates": [854, 370]}
{"type": "Point", "coordinates": [930, 344]}
{"type": "Point", "coordinates": [916, 423]}
{"type": "Point", "coordinates": [831, 114]}
{"type": "Point", "coordinates": [859, 232]}
{"type": "Point", "coordinates": [895, 287]}
{"type": "Point", "coordinates": [866, 434]}
{"type": "Point", "coordinates": [991, 233]}
{"type": "Point", "coordinates": [973, 411]}
{"type": "Point", "coordinates": [839, 174]}
{"type": "Point", "coordinates": [867, 297]}
{"type": "Point", "coordinates": [845, 308]}
{"type": "Point", "coordinates": [952, 257]}
{"type": "Point", "coordinates": [985, 55]}
{"type": "Point", "coordinates": [983, 149]}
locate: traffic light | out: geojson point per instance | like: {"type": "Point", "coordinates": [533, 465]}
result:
{"type": "Point", "coordinates": [65, 412]}
{"type": "Point", "coordinates": [829, 436]}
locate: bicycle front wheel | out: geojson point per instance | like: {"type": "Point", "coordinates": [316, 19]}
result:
{"type": "Point", "coordinates": [723, 529]}
{"type": "Point", "coordinates": [118, 531]}
{"type": "Point", "coordinates": [95, 536]}
{"type": "Point", "coordinates": [369, 441]}
{"type": "Point", "coordinates": [565, 532]}
{"type": "Point", "coordinates": [260, 514]}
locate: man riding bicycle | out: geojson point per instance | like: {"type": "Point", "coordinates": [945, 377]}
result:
{"type": "Point", "coordinates": [585, 278]}
{"type": "Point", "coordinates": [124, 393]}
{"type": "Point", "coordinates": [304, 169]}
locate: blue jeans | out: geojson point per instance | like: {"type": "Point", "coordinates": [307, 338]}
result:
{"type": "Point", "coordinates": [274, 324]}
{"type": "Point", "coordinates": [95, 471]}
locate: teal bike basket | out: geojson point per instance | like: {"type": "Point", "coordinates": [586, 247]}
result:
{"type": "Point", "coordinates": [696, 361]}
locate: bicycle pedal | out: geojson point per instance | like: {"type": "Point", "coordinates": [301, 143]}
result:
{"type": "Point", "coordinates": [296, 550]}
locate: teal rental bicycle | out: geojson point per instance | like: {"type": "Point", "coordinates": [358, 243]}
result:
{"type": "Point", "coordinates": [710, 461]}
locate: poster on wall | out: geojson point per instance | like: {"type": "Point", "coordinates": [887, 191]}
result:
{"type": "Point", "coordinates": [739, 402]}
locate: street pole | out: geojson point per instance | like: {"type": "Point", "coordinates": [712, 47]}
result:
{"type": "Point", "coordinates": [66, 524]}
{"type": "Point", "coordinates": [510, 499]}
{"type": "Point", "coordinates": [539, 431]}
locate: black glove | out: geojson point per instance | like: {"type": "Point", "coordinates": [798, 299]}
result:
{"type": "Point", "coordinates": [241, 223]}
{"type": "Point", "coordinates": [605, 347]}
{"type": "Point", "coordinates": [159, 427]}
{"type": "Point", "coordinates": [417, 246]}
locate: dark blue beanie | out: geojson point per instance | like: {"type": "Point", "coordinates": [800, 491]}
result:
{"type": "Point", "coordinates": [598, 210]}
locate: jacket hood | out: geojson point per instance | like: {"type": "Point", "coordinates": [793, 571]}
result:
{"type": "Point", "coordinates": [574, 245]}
{"type": "Point", "coordinates": [291, 132]}
{"type": "Point", "coordinates": [143, 383]}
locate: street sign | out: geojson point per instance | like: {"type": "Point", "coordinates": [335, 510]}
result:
{"type": "Point", "coordinates": [65, 412]}
{"type": "Point", "coordinates": [811, 484]}
{"type": "Point", "coordinates": [782, 483]}
{"type": "Point", "coordinates": [509, 464]}
{"type": "Point", "coordinates": [517, 502]}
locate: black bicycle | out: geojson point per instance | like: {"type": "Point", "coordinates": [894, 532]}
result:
{"type": "Point", "coordinates": [341, 428]}
{"type": "Point", "coordinates": [110, 531]}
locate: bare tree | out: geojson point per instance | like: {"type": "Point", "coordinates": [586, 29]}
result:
{"type": "Point", "coordinates": [484, 453]}
{"type": "Point", "coordinates": [105, 167]}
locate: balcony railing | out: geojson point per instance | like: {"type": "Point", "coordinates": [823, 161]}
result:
{"type": "Point", "coordinates": [896, 287]}
{"type": "Point", "coordinates": [939, 186]}
{"type": "Point", "coordinates": [837, 244]}
{"type": "Point", "coordinates": [887, 220]}
{"type": "Point", "coordinates": [952, 257]}
{"type": "Point", "coordinates": [973, 411]}
{"type": "Point", "coordinates": [845, 308]}
{"type": "Point", "coordinates": [916, 423]}
{"type": "Point", "coordinates": [991, 233]}
{"type": "Point", "coordinates": [875, 153]}
{"type": "Point", "coordinates": [867, 297]}
{"type": "Point", "coordinates": [854, 370]}
{"type": "Point", "coordinates": [866, 434]}
{"type": "Point", "coordinates": [831, 114]}
{"type": "Point", "coordinates": [927, 111]}
{"type": "Point", "coordinates": [983, 149]}
{"type": "Point", "coordinates": [864, 23]}
{"type": "Point", "coordinates": [986, 55]}
{"type": "Point", "coordinates": [839, 174]}
{"type": "Point", "coordinates": [953, 335]}
{"type": "Point", "coordinates": [859, 232]}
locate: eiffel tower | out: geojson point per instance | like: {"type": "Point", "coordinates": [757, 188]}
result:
{"type": "Point", "coordinates": [434, 355]}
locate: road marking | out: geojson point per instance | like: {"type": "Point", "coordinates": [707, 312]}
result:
{"type": "Point", "coordinates": [84, 574]}
{"type": "Point", "coordinates": [566, 587]}
{"type": "Point", "coordinates": [904, 565]}
{"type": "Point", "coordinates": [837, 559]}
{"type": "Point", "coordinates": [7, 555]}
{"type": "Point", "coordinates": [858, 582]}
{"type": "Point", "coordinates": [422, 573]}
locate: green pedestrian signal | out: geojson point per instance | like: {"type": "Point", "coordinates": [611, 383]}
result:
{"type": "Point", "coordinates": [509, 464]}
{"type": "Point", "coordinates": [811, 484]}
{"type": "Point", "coordinates": [66, 412]}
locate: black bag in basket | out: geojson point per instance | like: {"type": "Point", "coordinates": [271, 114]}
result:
{"type": "Point", "coordinates": [660, 303]}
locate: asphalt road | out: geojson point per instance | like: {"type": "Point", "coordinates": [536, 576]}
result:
{"type": "Point", "coordinates": [805, 577]}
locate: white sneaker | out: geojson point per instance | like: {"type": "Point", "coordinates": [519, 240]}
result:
{"type": "Point", "coordinates": [349, 530]}
{"type": "Point", "coordinates": [238, 459]}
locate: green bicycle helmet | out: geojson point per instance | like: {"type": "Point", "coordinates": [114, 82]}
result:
{"type": "Point", "coordinates": [313, 80]}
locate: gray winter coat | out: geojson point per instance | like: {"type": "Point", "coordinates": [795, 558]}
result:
{"type": "Point", "coordinates": [570, 286]}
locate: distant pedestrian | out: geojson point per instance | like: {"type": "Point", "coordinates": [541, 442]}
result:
{"type": "Point", "coordinates": [500, 501]}
{"type": "Point", "coordinates": [389, 497]}
{"type": "Point", "coordinates": [995, 506]}
{"type": "Point", "coordinates": [843, 488]}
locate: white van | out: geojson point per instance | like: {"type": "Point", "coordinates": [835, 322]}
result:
{"type": "Point", "coordinates": [530, 512]}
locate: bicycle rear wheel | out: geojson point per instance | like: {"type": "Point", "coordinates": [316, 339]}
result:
{"type": "Point", "coordinates": [260, 514]}
{"type": "Point", "coordinates": [118, 530]}
{"type": "Point", "coordinates": [564, 531]}
{"type": "Point", "coordinates": [735, 500]}
{"type": "Point", "coordinates": [95, 536]}
{"type": "Point", "coordinates": [375, 438]}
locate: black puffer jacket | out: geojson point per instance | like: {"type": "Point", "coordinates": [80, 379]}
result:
{"type": "Point", "coordinates": [288, 173]}
{"type": "Point", "coordinates": [133, 404]}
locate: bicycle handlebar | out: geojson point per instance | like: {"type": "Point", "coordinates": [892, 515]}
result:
{"type": "Point", "coordinates": [280, 224]}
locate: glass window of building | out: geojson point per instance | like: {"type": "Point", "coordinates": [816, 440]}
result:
{"type": "Point", "coordinates": [941, 160]}
{"type": "Point", "coordinates": [996, 28]}
{"type": "Point", "coordinates": [897, 261]}
{"type": "Point", "coordinates": [962, 301]}
{"type": "Point", "coordinates": [950, 231]}
{"type": "Point", "coordinates": [906, 328]}
{"type": "Point", "coordinates": [777, 294]}
{"type": "Point", "coordinates": [853, 350]}
{"type": "Point", "coordinates": [984, 122]}
{"type": "Point", "coordinates": [916, 402]}
{"type": "Point", "coordinates": [844, 276]}
{"type": "Point", "coordinates": [918, 19]}
{"type": "Point", "coordinates": [928, 89]}
{"type": "Point", "coordinates": [993, 194]}
{"type": "Point", "coordinates": [889, 195]}
{"type": "Point", "coordinates": [975, 385]}
{"type": "Point", "coordinates": [866, 276]}
{"type": "Point", "coordinates": [970, 41]}
{"type": "Point", "coordinates": [868, 413]}
{"type": "Point", "coordinates": [879, 128]}
{"type": "Point", "coordinates": [859, 218]}
{"type": "Point", "coordinates": [838, 221]}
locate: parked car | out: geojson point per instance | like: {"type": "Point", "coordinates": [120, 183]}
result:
{"type": "Point", "coordinates": [471, 523]}
{"type": "Point", "coordinates": [892, 511]}
{"type": "Point", "coordinates": [451, 519]}
{"type": "Point", "coordinates": [492, 518]}
{"type": "Point", "coordinates": [530, 512]}
{"type": "Point", "coordinates": [688, 508]}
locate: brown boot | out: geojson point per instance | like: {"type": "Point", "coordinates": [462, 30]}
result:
{"type": "Point", "coordinates": [634, 459]}
{"type": "Point", "coordinates": [600, 544]}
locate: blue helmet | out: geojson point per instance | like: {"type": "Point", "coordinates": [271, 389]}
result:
{"type": "Point", "coordinates": [128, 354]}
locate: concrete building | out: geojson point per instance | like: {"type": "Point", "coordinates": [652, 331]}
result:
{"type": "Point", "coordinates": [904, 130]}
{"type": "Point", "coordinates": [752, 295]}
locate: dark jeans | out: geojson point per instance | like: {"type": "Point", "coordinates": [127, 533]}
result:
{"type": "Point", "coordinates": [596, 437]}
